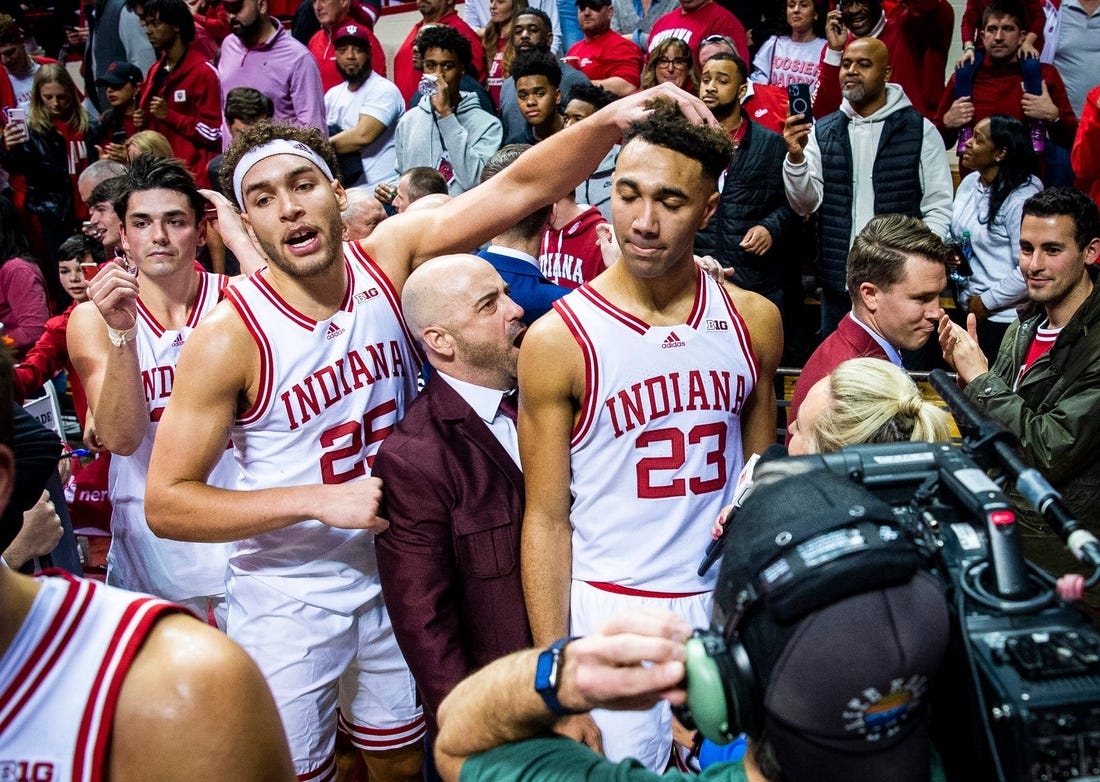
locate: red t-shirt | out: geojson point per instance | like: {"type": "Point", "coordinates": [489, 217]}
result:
{"type": "Point", "coordinates": [1045, 337]}
{"type": "Point", "coordinates": [694, 26]}
{"type": "Point", "coordinates": [608, 55]}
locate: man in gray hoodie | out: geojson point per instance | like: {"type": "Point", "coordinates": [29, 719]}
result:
{"type": "Point", "coordinates": [876, 155]}
{"type": "Point", "coordinates": [447, 130]}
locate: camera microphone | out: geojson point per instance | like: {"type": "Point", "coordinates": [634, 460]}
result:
{"type": "Point", "coordinates": [744, 486]}
{"type": "Point", "coordinates": [985, 437]}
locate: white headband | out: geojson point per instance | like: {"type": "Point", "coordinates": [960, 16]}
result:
{"type": "Point", "coordinates": [279, 146]}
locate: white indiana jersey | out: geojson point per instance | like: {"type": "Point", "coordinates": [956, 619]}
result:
{"type": "Point", "coordinates": [138, 560]}
{"type": "Point", "coordinates": [330, 391]}
{"type": "Point", "coordinates": [61, 676]}
{"type": "Point", "coordinates": [656, 450]}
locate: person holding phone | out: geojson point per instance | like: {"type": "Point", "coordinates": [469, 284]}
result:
{"type": "Point", "coordinates": [122, 84]}
{"type": "Point", "coordinates": [876, 155]}
{"type": "Point", "coordinates": [50, 149]}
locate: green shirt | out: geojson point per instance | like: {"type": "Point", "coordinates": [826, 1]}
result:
{"type": "Point", "coordinates": [559, 759]}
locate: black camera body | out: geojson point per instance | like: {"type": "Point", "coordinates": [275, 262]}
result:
{"type": "Point", "coordinates": [1029, 665]}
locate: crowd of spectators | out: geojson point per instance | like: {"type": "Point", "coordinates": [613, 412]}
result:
{"type": "Point", "coordinates": [870, 182]}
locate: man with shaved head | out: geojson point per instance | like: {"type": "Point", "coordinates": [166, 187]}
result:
{"type": "Point", "coordinates": [452, 486]}
{"type": "Point", "coordinates": [876, 155]}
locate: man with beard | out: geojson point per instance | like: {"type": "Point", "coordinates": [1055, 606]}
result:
{"type": "Point", "coordinates": [365, 108]}
{"type": "Point", "coordinates": [901, 32]}
{"type": "Point", "coordinates": [334, 14]}
{"type": "Point", "coordinates": [260, 53]}
{"type": "Point", "coordinates": [308, 366]}
{"type": "Point", "coordinates": [746, 233]}
{"type": "Point", "coordinates": [877, 155]}
{"type": "Point", "coordinates": [531, 32]}
{"type": "Point", "coordinates": [449, 562]}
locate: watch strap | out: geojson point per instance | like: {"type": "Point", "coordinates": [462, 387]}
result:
{"type": "Point", "coordinates": [547, 676]}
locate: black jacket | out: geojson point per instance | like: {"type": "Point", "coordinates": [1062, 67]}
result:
{"type": "Point", "coordinates": [753, 194]}
{"type": "Point", "coordinates": [44, 160]}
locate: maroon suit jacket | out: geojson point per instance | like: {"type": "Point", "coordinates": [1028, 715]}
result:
{"type": "Point", "coordinates": [449, 562]}
{"type": "Point", "coordinates": [850, 340]}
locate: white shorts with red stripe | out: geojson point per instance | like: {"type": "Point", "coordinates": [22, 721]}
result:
{"type": "Point", "coordinates": [321, 666]}
{"type": "Point", "coordinates": [644, 735]}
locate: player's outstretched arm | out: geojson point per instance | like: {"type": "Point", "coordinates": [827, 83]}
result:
{"type": "Point", "coordinates": [551, 378]}
{"type": "Point", "coordinates": [632, 662]}
{"type": "Point", "coordinates": [542, 175]}
{"type": "Point", "coordinates": [194, 706]}
{"type": "Point", "coordinates": [216, 376]}
{"type": "Point", "coordinates": [758, 417]}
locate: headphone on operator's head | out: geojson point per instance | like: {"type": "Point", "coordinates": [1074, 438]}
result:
{"type": "Point", "coordinates": [724, 695]}
{"type": "Point", "coordinates": [786, 557]}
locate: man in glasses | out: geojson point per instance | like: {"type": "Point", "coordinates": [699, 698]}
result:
{"type": "Point", "coordinates": [605, 57]}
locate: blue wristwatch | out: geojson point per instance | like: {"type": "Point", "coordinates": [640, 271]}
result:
{"type": "Point", "coordinates": [547, 676]}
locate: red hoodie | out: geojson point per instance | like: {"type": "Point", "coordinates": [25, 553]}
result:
{"type": "Point", "coordinates": [193, 124]}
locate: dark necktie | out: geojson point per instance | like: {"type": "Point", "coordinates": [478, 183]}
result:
{"type": "Point", "coordinates": [509, 404]}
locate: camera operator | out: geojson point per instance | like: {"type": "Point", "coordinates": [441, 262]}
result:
{"type": "Point", "coordinates": [1044, 384]}
{"type": "Point", "coordinates": [844, 658]}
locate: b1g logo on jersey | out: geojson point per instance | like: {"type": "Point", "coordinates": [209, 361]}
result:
{"type": "Point", "coordinates": [366, 295]}
{"type": "Point", "coordinates": [26, 771]}
{"type": "Point", "coordinates": [718, 325]}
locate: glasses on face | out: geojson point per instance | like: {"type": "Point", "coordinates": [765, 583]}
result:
{"type": "Point", "coordinates": [589, 4]}
{"type": "Point", "coordinates": [675, 62]}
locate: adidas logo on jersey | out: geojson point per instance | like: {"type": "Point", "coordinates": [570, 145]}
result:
{"type": "Point", "coordinates": [672, 341]}
{"type": "Point", "coordinates": [178, 341]}
{"type": "Point", "coordinates": [333, 331]}
{"type": "Point", "coordinates": [760, 113]}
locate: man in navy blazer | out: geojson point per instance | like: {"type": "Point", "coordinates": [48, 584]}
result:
{"type": "Point", "coordinates": [453, 490]}
{"type": "Point", "coordinates": [514, 253]}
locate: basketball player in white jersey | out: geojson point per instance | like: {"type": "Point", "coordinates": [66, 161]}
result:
{"type": "Point", "coordinates": [97, 683]}
{"type": "Point", "coordinates": [124, 344]}
{"type": "Point", "coordinates": [641, 394]}
{"type": "Point", "coordinates": [307, 366]}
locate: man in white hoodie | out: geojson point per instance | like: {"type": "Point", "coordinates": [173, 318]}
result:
{"type": "Point", "coordinates": [876, 155]}
{"type": "Point", "coordinates": [447, 130]}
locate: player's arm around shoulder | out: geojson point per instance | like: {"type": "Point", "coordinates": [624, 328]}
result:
{"type": "Point", "coordinates": [164, 726]}
{"type": "Point", "coordinates": [765, 326]}
{"type": "Point", "coordinates": [551, 387]}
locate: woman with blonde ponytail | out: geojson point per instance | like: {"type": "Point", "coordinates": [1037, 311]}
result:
{"type": "Point", "coordinates": [865, 400]}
